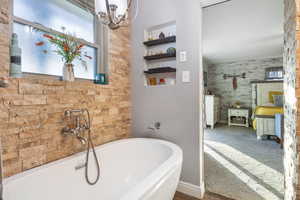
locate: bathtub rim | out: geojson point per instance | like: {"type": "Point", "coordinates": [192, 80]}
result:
{"type": "Point", "coordinates": [168, 167]}
{"type": "Point", "coordinates": [176, 153]}
{"type": "Point", "coordinates": [155, 177]}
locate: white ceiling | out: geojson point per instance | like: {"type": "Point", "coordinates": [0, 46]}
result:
{"type": "Point", "coordinates": [205, 3]}
{"type": "Point", "coordinates": [243, 29]}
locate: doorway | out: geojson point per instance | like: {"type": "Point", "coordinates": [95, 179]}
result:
{"type": "Point", "coordinates": [243, 75]}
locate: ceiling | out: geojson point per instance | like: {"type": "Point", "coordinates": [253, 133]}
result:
{"type": "Point", "coordinates": [243, 29]}
{"type": "Point", "coordinates": [205, 3]}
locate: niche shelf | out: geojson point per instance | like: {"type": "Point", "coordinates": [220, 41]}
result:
{"type": "Point", "coordinates": [160, 70]}
{"type": "Point", "coordinates": [159, 61]}
{"type": "Point", "coordinates": [166, 40]}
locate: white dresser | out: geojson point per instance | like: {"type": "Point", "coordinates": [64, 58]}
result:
{"type": "Point", "coordinates": [212, 110]}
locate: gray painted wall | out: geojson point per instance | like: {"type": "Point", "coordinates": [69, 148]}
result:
{"type": "Point", "coordinates": [176, 107]}
{"type": "Point", "coordinates": [205, 65]}
{"type": "Point", "coordinates": [254, 69]}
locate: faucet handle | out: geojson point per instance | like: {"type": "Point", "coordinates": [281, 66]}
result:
{"type": "Point", "coordinates": [68, 131]}
{"type": "Point", "coordinates": [156, 126]}
{"type": "Point", "coordinates": [151, 128]}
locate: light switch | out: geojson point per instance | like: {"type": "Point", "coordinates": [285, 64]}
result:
{"type": "Point", "coordinates": [186, 76]}
{"type": "Point", "coordinates": [183, 56]}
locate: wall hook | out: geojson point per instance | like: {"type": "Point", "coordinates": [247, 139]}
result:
{"type": "Point", "coordinates": [226, 76]}
{"type": "Point", "coordinates": [234, 79]}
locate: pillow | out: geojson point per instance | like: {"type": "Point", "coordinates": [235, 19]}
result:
{"type": "Point", "coordinates": [278, 100]}
{"type": "Point", "coordinates": [271, 93]}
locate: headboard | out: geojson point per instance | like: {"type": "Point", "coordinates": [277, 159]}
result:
{"type": "Point", "coordinates": [265, 90]}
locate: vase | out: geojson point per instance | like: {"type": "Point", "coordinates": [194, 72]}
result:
{"type": "Point", "coordinates": [68, 72]}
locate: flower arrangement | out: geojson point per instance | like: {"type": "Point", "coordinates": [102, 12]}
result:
{"type": "Point", "coordinates": [68, 47]}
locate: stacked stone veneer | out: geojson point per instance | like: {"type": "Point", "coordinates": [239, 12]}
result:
{"type": "Point", "coordinates": [31, 108]}
{"type": "Point", "coordinates": [292, 89]}
{"type": "Point", "coordinates": [254, 69]}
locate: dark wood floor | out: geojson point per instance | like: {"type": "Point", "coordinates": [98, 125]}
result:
{"type": "Point", "coordinates": [208, 196]}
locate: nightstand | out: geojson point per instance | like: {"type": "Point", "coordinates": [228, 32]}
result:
{"type": "Point", "coordinates": [238, 117]}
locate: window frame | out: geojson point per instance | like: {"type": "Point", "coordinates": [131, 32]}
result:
{"type": "Point", "coordinates": [46, 29]}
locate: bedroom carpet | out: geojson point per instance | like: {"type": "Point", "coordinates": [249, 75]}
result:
{"type": "Point", "coordinates": [207, 196]}
{"type": "Point", "coordinates": [239, 166]}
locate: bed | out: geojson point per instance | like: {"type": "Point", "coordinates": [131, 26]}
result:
{"type": "Point", "coordinates": [266, 111]}
{"type": "Point", "coordinates": [264, 107]}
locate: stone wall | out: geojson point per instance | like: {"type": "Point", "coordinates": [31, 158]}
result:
{"type": "Point", "coordinates": [254, 69]}
{"type": "Point", "coordinates": [31, 108]}
{"type": "Point", "coordinates": [295, 126]}
{"type": "Point", "coordinates": [291, 84]}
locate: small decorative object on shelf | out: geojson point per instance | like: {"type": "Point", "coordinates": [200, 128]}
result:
{"type": "Point", "coordinates": [171, 51]}
{"type": "Point", "coordinates": [15, 58]}
{"type": "Point", "coordinates": [162, 36]}
{"type": "Point", "coordinates": [150, 36]}
{"type": "Point", "coordinates": [102, 79]}
{"type": "Point", "coordinates": [69, 48]}
{"type": "Point", "coordinates": [162, 81]}
{"type": "Point", "coordinates": [152, 81]}
{"type": "Point", "coordinates": [170, 81]}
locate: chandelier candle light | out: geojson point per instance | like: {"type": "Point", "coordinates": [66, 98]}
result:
{"type": "Point", "coordinates": [113, 13]}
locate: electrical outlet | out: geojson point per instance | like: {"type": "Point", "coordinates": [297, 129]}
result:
{"type": "Point", "coordinates": [186, 76]}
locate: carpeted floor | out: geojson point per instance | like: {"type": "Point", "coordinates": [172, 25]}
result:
{"type": "Point", "coordinates": [240, 167]}
{"type": "Point", "coordinates": [208, 196]}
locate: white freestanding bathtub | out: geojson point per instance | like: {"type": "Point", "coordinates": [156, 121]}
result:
{"type": "Point", "coordinates": [131, 169]}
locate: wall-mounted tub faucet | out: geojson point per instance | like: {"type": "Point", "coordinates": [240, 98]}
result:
{"type": "Point", "coordinates": [156, 126]}
{"type": "Point", "coordinates": [80, 124]}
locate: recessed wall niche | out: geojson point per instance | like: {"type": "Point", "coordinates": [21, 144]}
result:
{"type": "Point", "coordinates": [160, 55]}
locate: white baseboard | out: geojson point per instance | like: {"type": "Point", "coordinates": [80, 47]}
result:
{"type": "Point", "coordinates": [191, 189]}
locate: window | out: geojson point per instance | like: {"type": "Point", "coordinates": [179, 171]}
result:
{"type": "Point", "coordinates": [33, 18]}
{"type": "Point", "coordinates": [274, 73]}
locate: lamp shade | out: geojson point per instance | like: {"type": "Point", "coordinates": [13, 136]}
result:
{"type": "Point", "coordinates": [100, 6]}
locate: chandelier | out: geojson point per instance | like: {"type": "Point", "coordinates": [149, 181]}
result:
{"type": "Point", "coordinates": [113, 13]}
